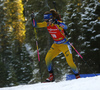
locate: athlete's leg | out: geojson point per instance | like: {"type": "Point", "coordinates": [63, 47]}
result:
{"type": "Point", "coordinates": [52, 53]}
{"type": "Point", "coordinates": [66, 49]}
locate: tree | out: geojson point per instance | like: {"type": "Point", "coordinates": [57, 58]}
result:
{"type": "Point", "coordinates": [90, 31]}
{"type": "Point", "coordinates": [3, 75]}
{"type": "Point", "coordinates": [15, 29]}
{"type": "Point", "coordinates": [4, 47]}
{"type": "Point", "coordinates": [12, 79]}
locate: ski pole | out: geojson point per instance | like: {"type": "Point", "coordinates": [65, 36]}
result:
{"type": "Point", "coordinates": [77, 52]}
{"type": "Point", "coordinates": [33, 22]}
{"type": "Point", "coordinates": [37, 44]}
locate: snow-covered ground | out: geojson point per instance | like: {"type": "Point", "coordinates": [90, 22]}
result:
{"type": "Point", "coordinates": [89, 83]}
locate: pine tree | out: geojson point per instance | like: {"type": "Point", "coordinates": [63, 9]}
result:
{"type": "Point", "coordinates": [90, 31]}
{"type": "Point", "coordinates": [3, 75]}
{"type": "Point", "coordinates": [5, 53]}
{"type": "Point", "coordinates": [15, 27]}
{"type": "Point", "coordinates": [94, 42]}
{"type": "Point", "coordinates": [12, 79]}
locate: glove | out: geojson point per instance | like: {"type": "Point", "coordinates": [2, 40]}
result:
{"type": "Point", "coordinates": [34, 24]}
{"type": "Point", "coordinates": [33, 20]}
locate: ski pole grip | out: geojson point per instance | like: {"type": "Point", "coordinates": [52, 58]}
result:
{"type": "Point", "coordinates": [32, 15]}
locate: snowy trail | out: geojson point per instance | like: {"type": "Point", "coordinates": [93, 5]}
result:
{"type": "Point", "coordinates": [89, 83]}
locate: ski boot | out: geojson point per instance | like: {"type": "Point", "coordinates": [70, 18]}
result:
{"type": "Point", "coordinates": [77, 76]}
{"type": "Point", "coordinates": [50, 78]}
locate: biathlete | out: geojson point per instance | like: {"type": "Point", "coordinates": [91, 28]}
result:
{"type": "Point", "coordinates": [57, 31]}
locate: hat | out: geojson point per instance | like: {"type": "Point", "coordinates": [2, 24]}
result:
{"type": "Point", "coordinates": [48, 16]}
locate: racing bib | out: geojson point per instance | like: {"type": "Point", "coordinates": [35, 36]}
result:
{"type": "Point", "coordinates": [55, 33]}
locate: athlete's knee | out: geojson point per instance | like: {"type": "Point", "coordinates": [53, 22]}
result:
{"type": "Point", "coordinates": [70, 62]}
{"type": "Point", "coordinates": [47, 59]}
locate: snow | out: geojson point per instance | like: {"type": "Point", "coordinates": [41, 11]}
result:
{"type": "Point", "coordinates": [89, 83]}
{"type": "Point", "coordinates": [31, 52]}
{"type": "Point", "coordinates": [95, 49]}
{"type": "Point", "coordinates": [97, 36]}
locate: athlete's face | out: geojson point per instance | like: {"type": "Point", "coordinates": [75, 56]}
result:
{"type": "Point", "coordinates": [49, 21]}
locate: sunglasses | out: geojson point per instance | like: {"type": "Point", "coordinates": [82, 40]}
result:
{"type": "Point", "coordinates": [49, 20]}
